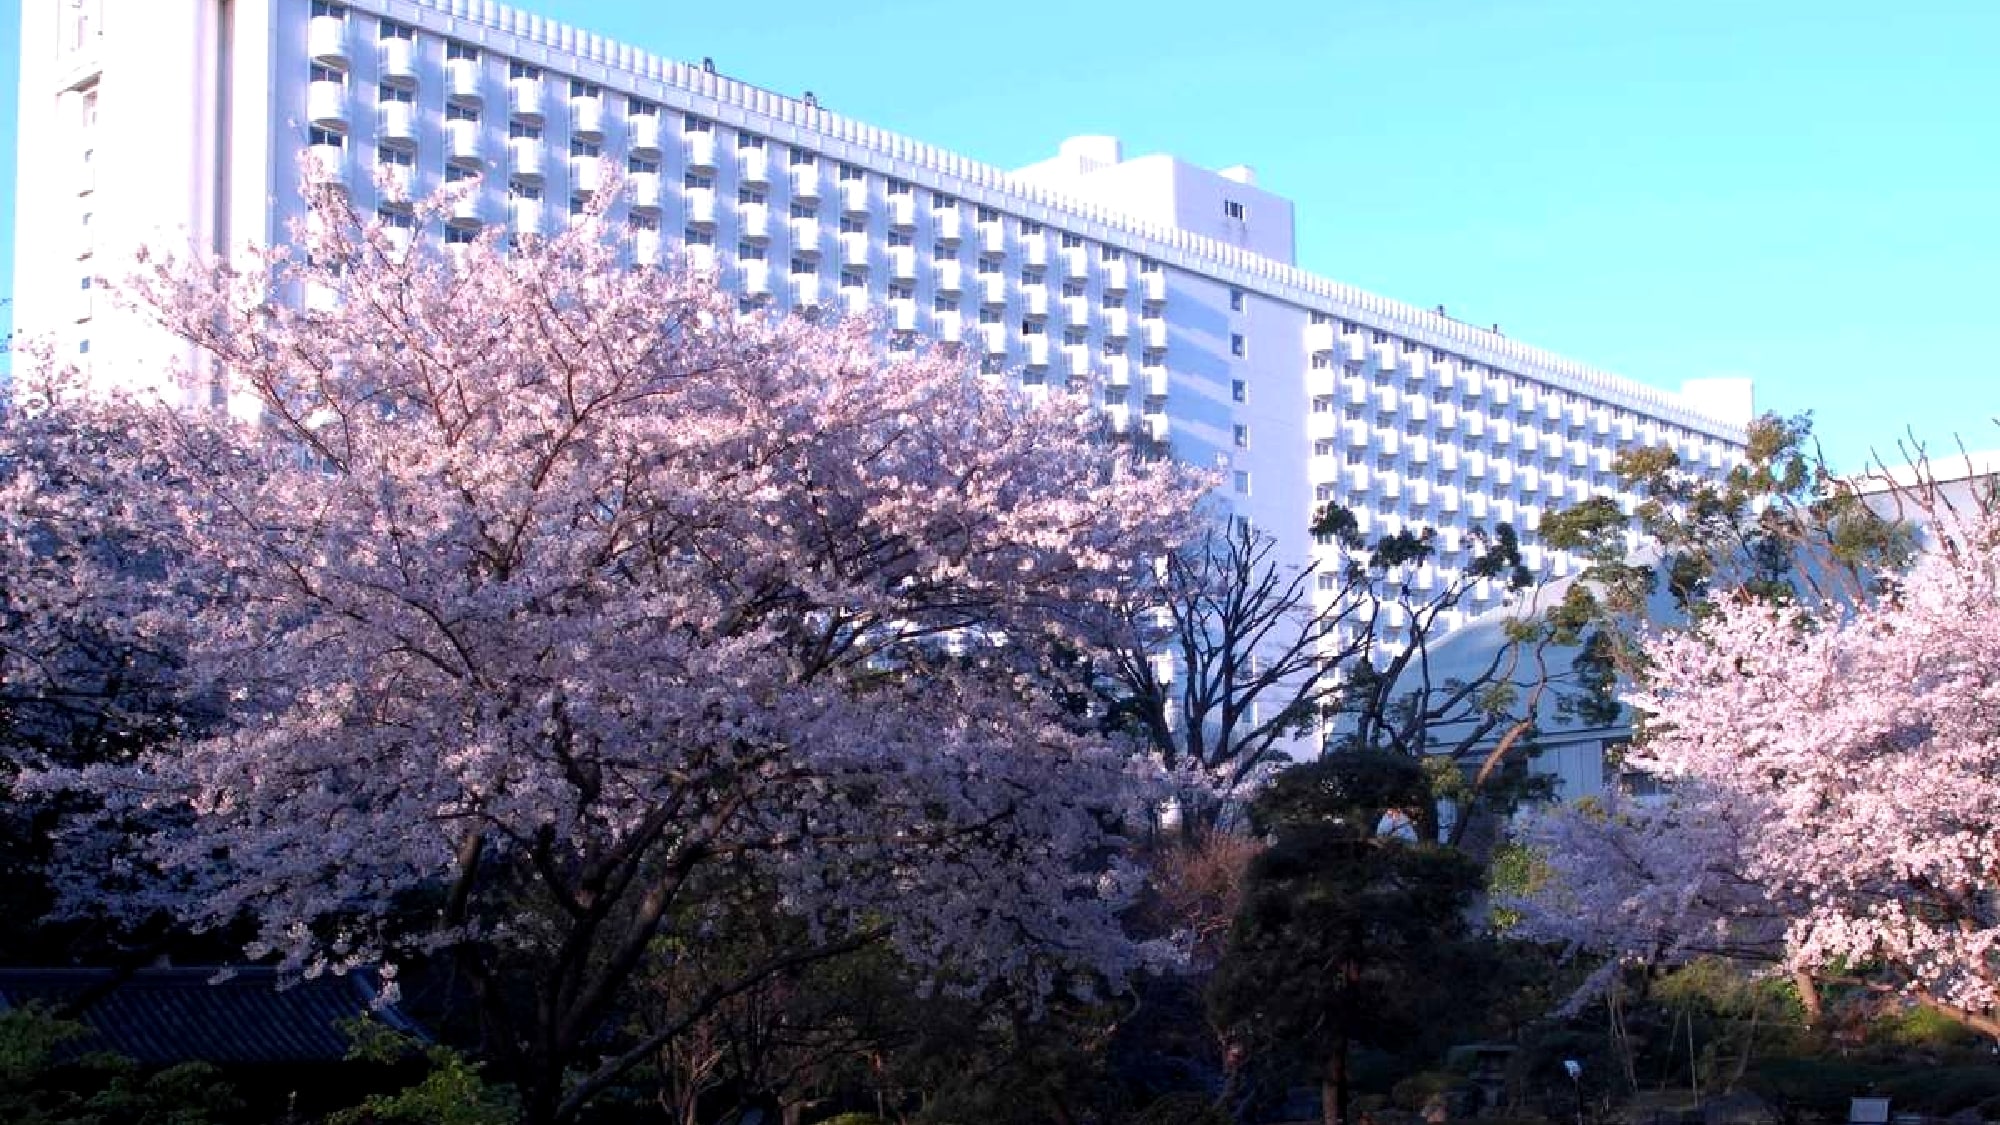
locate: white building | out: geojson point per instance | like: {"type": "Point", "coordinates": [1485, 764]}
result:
{"type": "Point", "coordinates": [182, 122]}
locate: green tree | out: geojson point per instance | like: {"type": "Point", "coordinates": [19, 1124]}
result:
{"type": "Point", "coordinates": [1349, 923]}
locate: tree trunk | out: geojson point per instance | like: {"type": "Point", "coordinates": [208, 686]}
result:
{"type": "Point", "coordinates": [1333, 1085]}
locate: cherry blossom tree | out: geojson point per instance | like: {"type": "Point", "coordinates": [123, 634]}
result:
{"type": "Point", "coordinates": [547, 599]}
{"type": "Point", "coordinates": [1835, 771]}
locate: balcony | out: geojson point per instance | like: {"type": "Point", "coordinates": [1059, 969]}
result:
{"type": "Point", "coordinates": [1117, 277]}
{"type": "Point", "coordinates": [326, 104]}
{"type": "Point", "coordinates": [805, 182]}
{"type": "Point", "coordinates": [854, 251]}
{"type": "Point", "coordinates": [1154, 334]}
{"type": "Point", "coordinates": [854, 197]}
{"type": "Point", "coordinates": [903, 211]}
{"type": "Point", "coordinates": [469, 209]}
{"type": "Point", "coordinates": [698, 259]}
{"type": "Point", "coordinates": [992, 289]}
{"type": "Point", "coordinates": [395, 181]}
{"type": "Point", "coordinates": [950, 277]}
{"type": "Point", "coordinates": [461, 141]}
{"type": "Point", "coordinates": [1076, 362]}
{"type": "Point", "coordinates": [700, 206]}
{"type": "Point", "coordinates": [1035, 350]}
{"type": "Point", "coordinates": [700, 151]}
{"type": "Point", "coordinates": [525, 98]}
{"type": "Point", "coordinates": [397, 121]}
{"type": "Point", "coordinates": [1321, 337]}
{"type": "Point", "coordinates": [903, 263]}
{"type": "Point", "coordinates": [950, 224]}
{"type": "Point", "coordinates": [1076, 264]}
{"type": "Point", "coordinates": [1117, 371]}
{"type": "Point", "coordinates": [993, 339]}
{"type": "Point", "coordinates": [1118, 417]}
{"type": "Point", "coordinates": [646, 247]}
{"type": "Point", "coordinates": [586, 117]}
{"type": "Point", "coordinates": [1117, 324]}
{"type": "Point", "coordinates": [1076, 310]}
{"type": "Point", "coordinates": [463, 81]}
{"type": "Point", "coordinates": [525, 215]}
{"type": "Point", "coordinates": [1153, 286]}
{"type": "Point", "coordinates": [1156, 382]}
{"type": "Point", "coordinates": [643, 134]}
{"type": "Point", "coordinates": [854, 300]}
{"type": "Point", "coordinates": [950, 328]}
{"type": "Point", "coordinates": [1156, 427]}
{"type": "Point", "coordinates": [807, 292]}
{"type": "Point", "coordinates": [903, 315]}
{"type": "Point", "coordinates": [649, 195]}
{"type": "Point", "coordinates": [326, 166]}
{"type": "Point", "coordinates": [586, 174]}
{"type": "Point", "coordinates": [326, 40]}
{"type": "Point", "coordinates": [527, 158]}
{"type": "Point", "coordinates": [753, 221]}
{"type": "Point", "coordinates": [992, 239]}
{"type": "Point", "coordinates": [398, 58]}
{"type": "Point", "coordinates": [1034, 251]}
{"type": "Point", "coordinates": [1035, 300]}
{"type": "Point", "coordinates": [753, 166]}
{"type": "Point", "coordinates": [805, 234]}
{"type": "Point", "coordinates": [754, 278]}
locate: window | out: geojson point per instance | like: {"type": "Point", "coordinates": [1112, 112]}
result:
{"type": "Point", "coordinates": [1148, 265]}
{"type": "Point", "coordinates": [988, 215]}
{"type": "Point", "coordinates": [1240, 436]}
{"type": "Point", "coordinates": [1243, 482]}
{"type": "Point", "coordinates": [387, 94]}
{"type": "Point", "coordinates": [850, 224]}
{"type": "Point", "coordinates": [1072, 289]}
{"type": "Point", "coordinates": [396, 157]}
{"type": "Point", "coordinates": [942, 253]}
{"type": "Point", "coordinates": [802, 210]}
{"type": "Point", "coordinates": [328, 8]}
{"type": "Point", "coordinates": [518, 69]}
{"type": "Point", "coordinates": [645, 222]}
{"type": "Point", "coordinates": [696, 125]}
{"type": "Point", "coordinates": [849, 173]}
{"type": "Point", "coordinates": [453, 174]}
{"type": "Point", "coordinates": [1110, 254]}
{"type": "Point", "coordinates": [83, 347]}
{"type": "Point", "coordinates": [989, 316]}
{"type": "Point", "coordinates": [800, 158]}
{"type": "Point", "coordinates": [578, 88]}
{"type": "Point", "coordinates": [523, 130]}
{"type": "Point", "coordinates": [699, 180]}
{"type": "Point", "coordinates": [902, 291]}
{"type": "Point", "coordinates": [803, 266]}
{"type": "Point", "coordinates": [853, 279]}
{"type": "Point", "coordinates": [1237, 346]}
{"type": "Point", "coordinates": [396, 31]}
{"type": "Point", "coordinates": [1034, 328]}
{"type": "Point", "coordinates": [457, 112]}
{"type": "Point", "coordinates": [1236, 300]}
{"type": "Point", "coordinates": [317, 136]}
{"type": "Point", "coordinates": [748, 194]}
{"type": "Point", "coordinates": [1071, 241]}
{"type": "Point", "coordinates": [749, 252]}
{"type": "Point", "coordinates": [641, 165]}
{"type": "Point", "coordinates": [642, 109]}
{"type": "Point", "coordinates": [1075, 334]}
{"type": "Point", "coordinates": [901, 238]}
{"type": "Point", "coordinates": [456, 50]}
{"type": "Point", "coordinates": [521, 189]}
{"type": "Point", "coordinates": [1321, 361]}
{"type": "Point", "coordinates": [460, 236]}
{"type": "Point", "coordinates": [321, 73]}
{"type": "Point", "coordinates": [989, 265]}
{"type": "Point", "coordinates": [943, 304]}
{"type": "Point", "coordinates": [1030, 228]}
{"type": "Point", "coordinates": [746, 141]}
{"type": "Point", "coordinates": [1239, 391]}
{"type": "Point", "coordinates": [899, 187]}
{"type": "Point", "coordinates": [1233, 209]}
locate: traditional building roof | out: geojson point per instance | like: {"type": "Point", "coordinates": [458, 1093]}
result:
{"type": "Point", "coordinates": [159, 1017]}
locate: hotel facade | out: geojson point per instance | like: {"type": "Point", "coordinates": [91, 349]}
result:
{"type": "Point", "coordinates": [1171, 289]}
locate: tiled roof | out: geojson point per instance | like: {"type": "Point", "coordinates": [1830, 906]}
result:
{"type": "Point", "coordinates": [166, 1016]}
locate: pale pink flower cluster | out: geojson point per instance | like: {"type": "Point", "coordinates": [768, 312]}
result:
{"type": "Point", "coordinates": [542, 584]}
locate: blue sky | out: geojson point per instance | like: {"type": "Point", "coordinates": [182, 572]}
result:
{"type": "Point", "coordinates": [1807, 193]}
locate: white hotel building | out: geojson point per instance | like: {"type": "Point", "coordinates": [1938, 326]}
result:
{"type": "Point", "coordinates": [1172, 287]}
